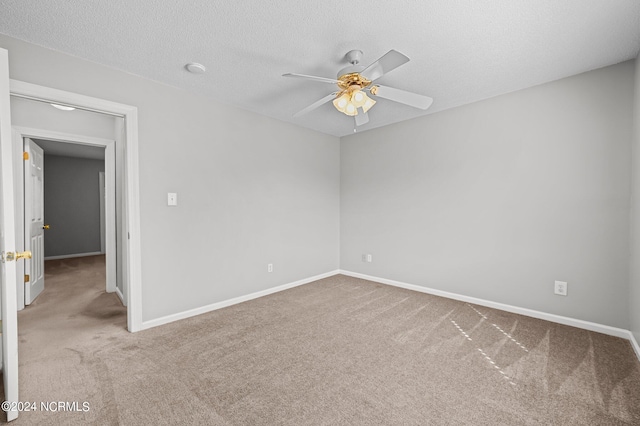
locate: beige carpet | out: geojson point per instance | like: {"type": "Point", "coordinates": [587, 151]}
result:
{"type": "Point", "coordinates": [337, 351]}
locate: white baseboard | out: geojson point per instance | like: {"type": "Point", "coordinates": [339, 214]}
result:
{"type": "Point", "coordinates": [121, 296]}
{"type": "Point", "coordinates": [591, 326]}
{"type": "Point", "coordinates": [69, 256]}
{"type": "Point", "coordinates": [219, 305]}
{"type": "Point", "coordinates": [634, 344]}
{"type": "Point", "coordinates": [587, 325]}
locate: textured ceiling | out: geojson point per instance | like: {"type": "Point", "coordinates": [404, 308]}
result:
{"type": "Point", "coordinates": [461, 51]}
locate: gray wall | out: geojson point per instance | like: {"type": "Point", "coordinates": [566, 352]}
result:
{"type": "Point", "coordinates": [634, 288]}
{"type": "Point", "coordinates": [499, 198]}
{"type": "Point", "coordinates": [251, 190]}
{"type": "Point", "coordinates": [71, 205]}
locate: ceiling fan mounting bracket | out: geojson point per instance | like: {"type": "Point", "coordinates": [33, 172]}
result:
{"type": "Point", "coordinates": [354, 56]}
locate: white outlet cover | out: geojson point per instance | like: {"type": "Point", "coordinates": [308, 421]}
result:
{"type": "Point", "coordinates": [561, 288]}
{"type": "Point", "coordinates": [172, 199]}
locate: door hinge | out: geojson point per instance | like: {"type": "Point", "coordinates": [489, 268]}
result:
{"type": "Point", "coordinates": [26, 278]}
{"type": "Point", "coordinates": [25, 156]}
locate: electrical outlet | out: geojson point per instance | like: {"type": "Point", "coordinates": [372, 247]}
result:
{"type": "Point", "coordinates": [369, 258]}
{"type": "Point", "coordinates": [270, 267]}
{"type": "Point", "coordinates": [561, 288]}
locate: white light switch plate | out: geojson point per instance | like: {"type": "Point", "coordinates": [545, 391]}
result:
{"type": "Point", "coordinates": [172, 199]}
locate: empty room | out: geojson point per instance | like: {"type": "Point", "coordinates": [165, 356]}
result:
{"type": "Point", "coordinates": [361, 213]}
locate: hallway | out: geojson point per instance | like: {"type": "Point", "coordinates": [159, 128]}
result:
{"type": "Point", "coordinates": [69, 319]}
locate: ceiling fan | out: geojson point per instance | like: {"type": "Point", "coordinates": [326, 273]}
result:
{"type": "Point", "coordinates": [355, 81]}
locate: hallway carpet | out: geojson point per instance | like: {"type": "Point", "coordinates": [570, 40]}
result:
{"type": "Point", "coordinates": [339, 351]}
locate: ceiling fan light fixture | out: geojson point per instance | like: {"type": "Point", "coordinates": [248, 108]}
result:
{"type": "Point", "coordinates": [341, 102]}
{"type": "Point", "coordinates": [358, 98]}
{"type": "Point", "coordinates": [368, 103]}
{"type": "Point", "coordinates": [352, 99]}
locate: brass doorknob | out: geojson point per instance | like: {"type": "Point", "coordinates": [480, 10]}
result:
{"type": "Point", "coordinates": [46, 227]}
{"type": "Point", "coordinates": [23, 255]}
{"type": "Point", "coordinates": [9, 256]}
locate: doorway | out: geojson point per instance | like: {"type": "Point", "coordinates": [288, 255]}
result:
{"type": "Point", "coordinates": [126, 137]}
{"type": "Point", "coordinates": [68, 146]}
{"type": "Point", "coordinates": [131, 210]}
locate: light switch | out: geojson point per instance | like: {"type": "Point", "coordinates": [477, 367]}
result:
{"type": "Point", "coordinates": [172, 199]}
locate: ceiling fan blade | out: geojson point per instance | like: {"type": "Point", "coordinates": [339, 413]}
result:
{"type": "Point", "coordinates": [403, 97]}
{"type": "Point", "coordinates": [315, 105]}
{"type": "Point", "coordinates": [362, 118]}
{"type": "Point", "coordinates": [311, 77]}
{"type": "Point", "coordinates": [389, 61]}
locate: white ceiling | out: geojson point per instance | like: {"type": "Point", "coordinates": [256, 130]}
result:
{"type": "Point", "coordinates": [64, 149]}
{"type": "Point", "coordinates": [461, 51]}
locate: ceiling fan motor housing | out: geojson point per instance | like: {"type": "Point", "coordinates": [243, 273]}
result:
{"type": "Point", "coordinates": [351, 69]}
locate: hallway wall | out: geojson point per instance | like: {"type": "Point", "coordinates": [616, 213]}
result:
{"type": "Point", "coordinates": [71, 205]}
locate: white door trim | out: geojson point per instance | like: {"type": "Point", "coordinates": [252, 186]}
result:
{"type": "Point", "coordinates": [8, 307]}
{"type": "Point", "coordinates": [131, 179]}
{"type": "Point", "coordinates": [102, 189]}
{"type": "Point", "coordinates": [18, 196]}
{"type": "Point", "coordinates": [110, 201]}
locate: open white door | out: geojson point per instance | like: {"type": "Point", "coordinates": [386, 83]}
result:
{"type": "Point", "coordinates": [8, 259]}
{"type": "Point", "coordinates": [33, 220]}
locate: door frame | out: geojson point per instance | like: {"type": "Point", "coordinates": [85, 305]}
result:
{"type": "Point", "coordinates": [7, 242]}
{"type": "Point", "coordinates": [103, 226]}
{"type": "Point", "coordinates": [110, 174]}
{"type": "Point", "coordinates": [132, 274]}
